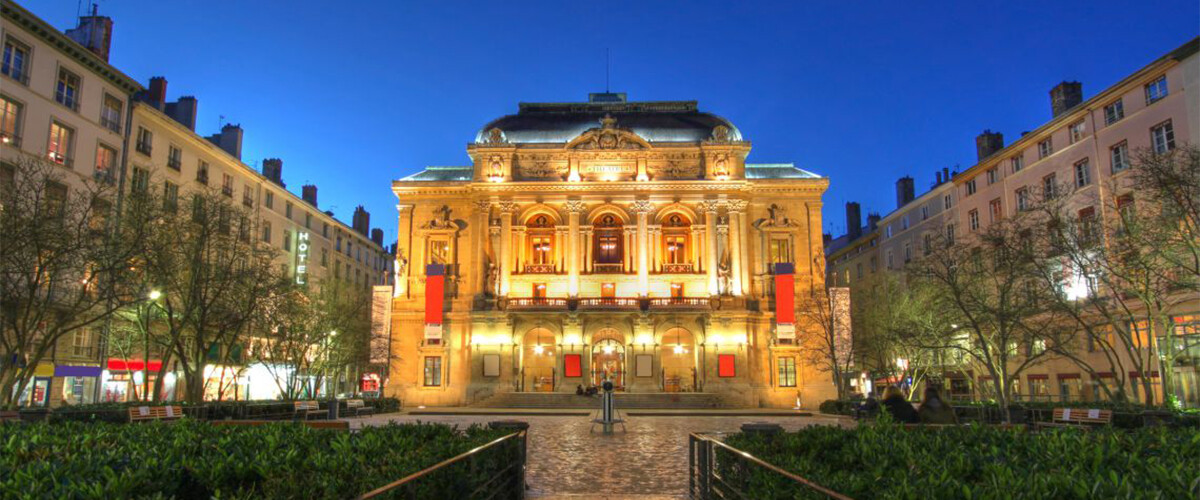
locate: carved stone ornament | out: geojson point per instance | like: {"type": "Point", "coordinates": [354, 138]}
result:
{"type": "Point", "coordinates": [710, 206]}
{"type": "Point", "coordinates": [496, 167]}
{"type": "Point", "coordinates": [608, 136]}
{"type": "Point", "coordinates": [736, 205]}
{"type": "Point", "coordinates": [721, 165]}
{"type": "Point", "coordinates": [678, 170]}
{"type": "Point", "coordinates": [641, 206]}
{"type": "Point", "coordinates": [720, 133]}
{"type": "Point", "coordinates": [574, 206]}
{"type": "Point", "coordinates": [495, 136]}
{"type": "Point", "coordinates": [441, 220]}
{"type": "Point", "coordinates": [543, 170]}
{"type": "Point", "coordinates": [508, 207]}
{"type": "Point", "coordinates": [483, 206]}
{"type": "Point", "coordinates": [776, 217]}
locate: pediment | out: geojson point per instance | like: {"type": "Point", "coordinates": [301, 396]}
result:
{"type": "Point", "coordinates": [608, 136]}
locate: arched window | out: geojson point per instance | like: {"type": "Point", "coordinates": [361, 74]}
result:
{"type": "Point", "coordinates": [676, 241]}
{"type": "Point", "coordinates": [608, 240]}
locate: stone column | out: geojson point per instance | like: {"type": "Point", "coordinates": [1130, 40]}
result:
{"type": "Point", "coordinates": [483, 209]}
{"type": "Point", "coordinates": [507, 208]}
{"type": "Point", "coordinates": [404, 253]}
{"type": "Point", "coordinates": [588, 245]}
{"type": "Point", "coordinates": [744, 236]}
{"type": "Point", "coordinates": [709, 207]}
{"type": "Point", "coordinates": [574, 208]}
{"type": "Point", "coordinates": [656, 257]}
{"type": "Point", "coordinates": [522, 249]}
{"type": "Point", "coordinates": [735, 208]}
{"type": "Point", "coordinates": [643, 207]}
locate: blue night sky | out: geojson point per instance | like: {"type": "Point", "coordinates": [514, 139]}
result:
{"type": "Point", "coordinates": [355, 94]}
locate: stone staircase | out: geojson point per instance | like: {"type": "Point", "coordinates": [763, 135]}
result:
{"type": "Point", "coordinates": [624, 401]}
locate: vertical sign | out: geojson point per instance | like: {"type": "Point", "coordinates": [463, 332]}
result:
{"type": "Point", "coordinates": [435, 276]}
{"type": "Point", "coordinates": [301, 257]}
{"type": "Point", "coordinates": [839, 307]}
{"type": "Point", "coordinates": [785, 300]}
{"type": "Point", "coordinates": [381, 322]}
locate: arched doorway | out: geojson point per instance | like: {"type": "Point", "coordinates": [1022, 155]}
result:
{"type": "Point", "coordinates": [538, 361]}
{"type": "Point", "coordinates": [609, 251]}
{"type": "Point", "coordinates": [608, 358]}
{"type": "Point", "coordinates": [678, 360]}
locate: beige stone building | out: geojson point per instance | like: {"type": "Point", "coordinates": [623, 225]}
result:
{"type": "Point", "coordinates": [1082, 153]}
{"type": "Point", "coordinates": [605, 240]}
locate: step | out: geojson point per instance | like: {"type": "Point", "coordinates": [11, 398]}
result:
{"type": "Point", "coordinates": [623, 400]}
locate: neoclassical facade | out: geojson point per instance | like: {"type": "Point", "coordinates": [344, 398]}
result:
{"type": "Point", "coordinates": [605, 240]}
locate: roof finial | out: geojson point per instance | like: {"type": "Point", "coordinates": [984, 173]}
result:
{"type": "Point", "coordinates": [607, 68]}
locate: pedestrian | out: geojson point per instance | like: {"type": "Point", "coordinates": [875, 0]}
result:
{"type": "Point", "coordinates": [900, 409]}
{"type": "Point", "coordinates": [934, 410]}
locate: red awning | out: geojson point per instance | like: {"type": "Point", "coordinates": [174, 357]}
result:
{"type": "Point", "coordinates": [133, 365]}
{"type": "Point", "coordinates": [1066, 376]}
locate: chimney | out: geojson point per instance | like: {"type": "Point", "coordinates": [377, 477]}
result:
{"type": "Point", "coordinates": [873, 222]}
{"type": "Point", "coordinates": [377, 236]}
{"type": "Point", "coordinates": [309, 194]}
{"type": "Point", "coordinates": [158, 91]}
{"type": "Point", "coordinates": [938, 174]}
{"type": "Point", "coordinates": [272, 169]}
{"type": "Point", "coordinates": [361, 221]}
{"type": "Point", "coordinates": [853, 221]}
{"type": "Point", "coordinates": [945, 174]}
{"type": "Point", "coordinates": [826, 238]}
{"type": "Point", "coordinates": [94, 32]}
{"type": "Point", "coordinates": [904, 191]}
{"type": "Point", "coordinates": [987, 143]}
{"type": "Point", "coordinates": [1064, 96]}
{"type": "Point", "coordinates": [183, 110]}
{"type": "Point", "coordinates": [230, 139]}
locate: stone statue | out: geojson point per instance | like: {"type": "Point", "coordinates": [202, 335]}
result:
{"type": "Point", "coordinates": [723, 275]}
{"type": "Point", "coordinates": [492, 287]}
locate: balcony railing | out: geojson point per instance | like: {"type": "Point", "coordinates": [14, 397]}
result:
{"type": "Point", "coordinates": [684, 303]}
{"type": "Point", "coordinates": [677, 268]}
{"type": "Point", "coordinates": [537, 303]}
{"type": "Point", "coordinates": [609, 303]}
{"type": "Point", "coordinates": [599, 268]}
{"type": "Point", "coordinates": [10, 139]}
{"type": "Point", "coordinates": [539, 269]}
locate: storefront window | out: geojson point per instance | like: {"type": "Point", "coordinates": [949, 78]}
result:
{"type": "Point", "coordinates": [78, 390]}
{"type": "Point", "coordinates": [36, 394]}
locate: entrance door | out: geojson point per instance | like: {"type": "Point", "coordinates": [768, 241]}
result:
{"type": "Point", "coordinates": [539, 361]}
{"type": "Point", "coordinates": [608, 363]}
{"type": "Point", "coordinates": [678, 361]}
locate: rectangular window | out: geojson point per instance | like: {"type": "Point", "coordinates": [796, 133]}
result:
{"type": "Point", "coordinates": [227, 185]}
{"type": "Point", "coordinates": [287, 240]}
{"type": "Point", "coordinates": [996, 210]}
{"type": "Point", "coordinates": [1156, 90]}
{"type": "Point", "coordinates": [433, 371]}
{"type": "Point", "coordinates": [947, 201]}
{"type": "Point", "coordinates": [787, 372]}
{"type": "Point", "coordinates": [970, 187]}
{"type": "Point", "coordinates": [81, 342]}
{"type": "Point", "coordinates": [1083, 175]}
{"type": "Point", "coordinates": [890, 260]}
{"type": "Point", "coordinates": [1162, 136]}
{"type": "Point", "coordinates": [287, 212]}
{"type": "Point", "coordinates": [174, 157]}
{"type": "Point", "coordinates": [927, 244]}
{"type": "Point", "coordinates": [110, 113]}
{"type": "Point", "coordinates": [10, 122]}
{"type": "Point", "coordinates": [1087, 225]}
{"type": "Point", "coordinates": [539, 290]}
{"type": "Point", "coordinates": [780, 249]}
{"type": "Point", "coordinates": [924, 212]}
{"type": "Point", "coordinates": [992, 176]}
{"type": "Point", "coordinates": [1049, 187]}
{"type": "Point", "coordinates": [106, 161]}
{"type": "Point", "coordinates": [907, 252]}
{"type": "Point", "coordinates": [66, 92]}
{"type": "Point", "coordinates": [1023, 199]}
{"type": "Point", "coordinates": [307, 221]}
{"type": "Point", "coordinates": [1045, 148]}
{"type": "Point", "coordinates": [904, 222]}
{"type": "Point", "coordinates": [439, 251]}
{"type": "Point", "coordinates": [726, 366]}
{"type": "Point", "coordinates": [1120, 156]}
{"type": "Point", "coordinates": [202, 172]}
{"type": "Point", "coordinates": [62, 141]}
{"type": "Point", "coordinates": [145, 141]}
{"type": "Point", "coordinates": [973, 220]}
{"type": "Point", "coordinates": [247, 196]}
{"type": "Point", "coordinates": [16, 61]}
{"type": "Point", "coordinates": [141, 181]}
{"type": "Point", "coordinates": [1076, 131]}
{"type": "Point", "coordinates": [1017, 162]}
{"type": "Point", "coordinates": [1114, 112]}
{"type": "Point", "coordinates": [266, 232]}
{"type": "Point", "coordinates": [170, 196]}
{"type": "Point", "coordinates": [269, 199]}
{"type": "Point", "coordinates": [949, 234]}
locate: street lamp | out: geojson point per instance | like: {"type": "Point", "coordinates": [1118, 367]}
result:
{"type": "Point", "coordinates": [155, 295]}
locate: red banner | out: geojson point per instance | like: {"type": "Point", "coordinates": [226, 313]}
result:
{"type": "Point", "coordinates": [435, 291]}
{"type": "Point", "coordinates": [785, 293]}
{"type": "Point", "coordinates": [572, 366]}
{"type": "Point", "coordinates": [726, 366]}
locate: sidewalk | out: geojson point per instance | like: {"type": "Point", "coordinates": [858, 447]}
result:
{"type": "Point", "coordinates": [645, 412]}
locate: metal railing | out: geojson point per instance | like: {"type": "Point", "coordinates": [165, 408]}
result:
{"type": "Point", "coordinates": [680, 303]}
{"type": "Point", "coordinates": [536, 303]}
{"type": "Point", "coordinates": [494, 470]}
{"type": "Point", "coordinates": [717, 470]}
{"type": "Point", "coordinates": [609, 303]}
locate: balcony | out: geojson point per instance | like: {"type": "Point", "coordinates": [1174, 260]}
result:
{"type": "Point", "coordinates": [10, 139]}
{"type": "Point", "coordinates": [536, 304]}
{"type": "Point", "coordinates": [610, 304]}
{"type": "Point", "coordinates": [539, 269]}
{"type": "Point", "coordinates": [599, 268]}
{"type": "Point", "coordinates": [680, 304]}
{"type": "Point", "coordinates": [677, 268]}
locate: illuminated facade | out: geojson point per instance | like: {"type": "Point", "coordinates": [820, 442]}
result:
{"type": "Point", "coordinates": [604, 240]}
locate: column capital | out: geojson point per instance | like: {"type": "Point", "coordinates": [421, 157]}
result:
{"type": "Point", "coordinates": [508, 207]}
{"type": "Point", "coordinates": [574, 206]}
{"type": "Point", "coordinates": [402, 207]}
{"type": "Point", "coordinates": [736, 205]}
{"type": "Point", "coordinates": [641, 206]}
{"type": "Point", "coordinates": [710, 206]}
{"type": "Point", "coordinates": [483, 206]}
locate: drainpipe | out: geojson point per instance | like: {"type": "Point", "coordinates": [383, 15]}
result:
{"type": "Point", "coordinates": [102, 349]}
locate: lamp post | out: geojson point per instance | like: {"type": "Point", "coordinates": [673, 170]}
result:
{"type": "Point", "coordinates": [153, 297]}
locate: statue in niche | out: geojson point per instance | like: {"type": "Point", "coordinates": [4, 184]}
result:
{"type": "Point", "coordinates": [720, 169]}
{"type": "Point", "coordinates": [720, 133]}
{"type": "Point", "coordinates": [492, 281]}
{"type": "Point", "coordinates": [494, 136]}
{"type": "Point", "coordinates": [496, 168]}
{"type": "Point", "coordinates": [723, 275]}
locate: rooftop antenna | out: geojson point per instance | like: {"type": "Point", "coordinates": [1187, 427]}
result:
{"type": "Point", "coordinates": [607, 68]}
{"type": "Point", "coordinates": [220, 121]}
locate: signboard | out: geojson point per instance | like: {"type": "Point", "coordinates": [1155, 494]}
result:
{"type": "Point", "coordinates": [433, 331]}
{"type": "Point", "coordinates": [435, 291]}
{"type": "Point", "coordinates": [491, 365]}
{"type": "Point", "coordinates": [572, 365]}
{"type": "Point", "coordinates": [381, 323]}
{"type": "Point", "coordinates": [726, 367]}
{"type": "Point", "coordinates": [644, 365]}
{"type": "Point", "coordinates": [785, 331]}
{"type": "Point", "coordinates": [302, 248]}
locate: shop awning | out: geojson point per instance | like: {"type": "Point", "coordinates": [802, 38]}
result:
{"type": "Point", "coordinates": [44, 369]}
{"type": "Point", "coordinates": [76, 371]}
{"type": "Point", "coordinates": [133, 365]}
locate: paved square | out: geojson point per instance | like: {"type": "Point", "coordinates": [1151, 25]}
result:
{"type": "Point", "coordinates": [650, 458]}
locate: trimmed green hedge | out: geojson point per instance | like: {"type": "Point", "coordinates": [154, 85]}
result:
{"type": "Point", "coordinates": [209, 410]}
{"type": "Point", "coordinates": [194, 459]}
{"type": "Point", "coordinates": [1126, 415]}
{"type": "Point", "coordinates": [884, 460]}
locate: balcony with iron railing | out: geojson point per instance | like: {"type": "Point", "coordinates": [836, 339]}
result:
{"type": "Point", "coordinates": [539, 269]}
{"type": "Point", "coordinates": [10, 139]}
{"type": "Point", "coordinates": [610, 304]}
{"type": "Point", "coordinates": [680, 304]}
{"type": "Point", "coordinates": [536, 304]}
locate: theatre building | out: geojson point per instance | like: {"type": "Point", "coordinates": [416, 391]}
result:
{"type": "Point", "coordinates": [607, 240]}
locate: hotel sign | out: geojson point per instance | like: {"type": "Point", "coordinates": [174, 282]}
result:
{"type": "Point", "coordinates": [302, 248]}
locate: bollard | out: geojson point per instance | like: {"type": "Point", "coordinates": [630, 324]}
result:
{"type": "Point", "coordinates": [333, 409]}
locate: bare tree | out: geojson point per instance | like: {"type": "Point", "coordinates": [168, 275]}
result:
{"type": "Point", "coordinates": [825, 314]}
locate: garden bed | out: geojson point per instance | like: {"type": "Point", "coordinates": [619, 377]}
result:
{"type": "Point", "coordinates": [886, 461]}
{"type": "Point", "coordinates": [193, 459]}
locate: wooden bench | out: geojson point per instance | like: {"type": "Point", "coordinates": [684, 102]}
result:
{"type": "Point", "coordinates": [307, 409]}
{"type": "Point", "coordinates": [147, 413]}
{"type": "Point", "coordinates": [358, 407]}
{"type": "Point", "coordinates": [325, 424]}
{"type": "Point", "coordinates": [1078, 417]}
{"type": "Point", "coordinates": [12, 416]}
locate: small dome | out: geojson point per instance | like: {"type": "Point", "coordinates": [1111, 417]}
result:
{"type": "Point", "coordinates": [556, 123]}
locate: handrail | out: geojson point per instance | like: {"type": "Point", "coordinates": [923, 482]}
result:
{"type": "Point", "coordinates": [742, 455]}
{"type": "Point", "coordinates": [440, 465]}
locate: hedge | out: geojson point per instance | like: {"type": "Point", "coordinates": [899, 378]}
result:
{"type": "Point", "coordinates": [884, 460]}
{"type": "Point", "coordinates": [1125, 415]}
{"type": "Point", "coordinates": [209, 410]}
{"type": "Point", "coordinates": [194, 459]}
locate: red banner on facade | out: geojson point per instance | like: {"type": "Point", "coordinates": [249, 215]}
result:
{"type": "Point", "coordinates": [435, 291]}
{"type": "Point", "coordinates": [726, 367]}
{"type": "Point", "coordinates": [572, 365]}
{"type": "Point", "coordinates": [785, 293]}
